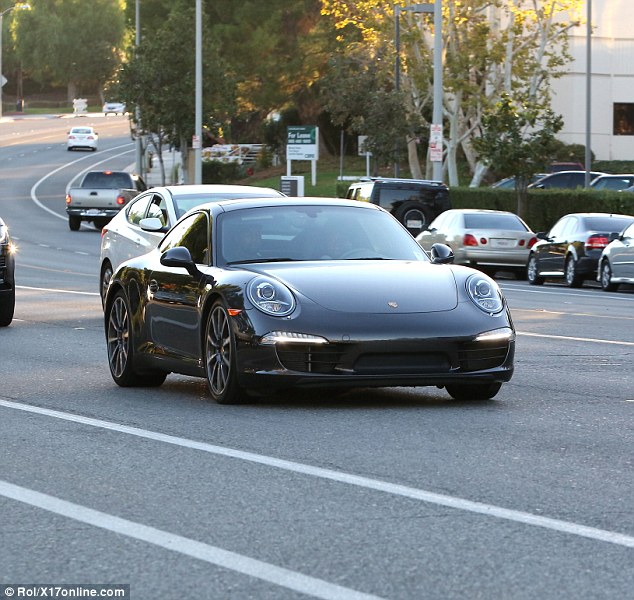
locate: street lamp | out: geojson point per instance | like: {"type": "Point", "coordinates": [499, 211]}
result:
{"type": "Point", "coordinates": [138, 142]}
{"type": "Point", "coordinates": [21, 6]}
{"type": "Point", "coordinates": [436, 136]}
{"type": "Point", "coordinates": [198, 121]}
{"type": "Point", "coordinates": [588, 154]}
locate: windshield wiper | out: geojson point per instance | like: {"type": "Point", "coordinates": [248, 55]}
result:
{"type": "Point", "coordinates": [262, 260]}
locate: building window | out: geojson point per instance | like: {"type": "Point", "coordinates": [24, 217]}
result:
{"type": "Point", "coordinates": [623, 118]}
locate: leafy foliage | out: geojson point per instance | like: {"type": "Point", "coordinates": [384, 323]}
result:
{"type": "Point", "coordinates": [519, 139]}
{"type": "Point", "coordinates": [70, 42]}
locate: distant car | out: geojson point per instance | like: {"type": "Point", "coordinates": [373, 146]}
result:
{"type": "Point", "coordinates": [572, 248]}
{"type": "Point", "coordinates": [565, 166]}
{"type": "Point", "coordinates": [490, 240]}
{"type": "Point", "coordinates": [612, 182]}
{"type": "Point", "coordinates": [254, 317]}
{"type": "Point", "coordinates": [414, 202]}
{"type": "Point", "coordinates": [7, 276]}
{"type": "Point", "coordinates": [114, 108]}
{"type": "Point", "coordinates": [508, 183]}
{"type": "Point", "coordinates": [564, 180]}
{"type": "Point", "coordinates": [616, 264]}
{"type": "Point", "coordinates": [141, 225]}
{"type": "Point", "coordinates": [82, 137]}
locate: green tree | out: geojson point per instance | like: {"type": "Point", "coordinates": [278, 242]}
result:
{"type": "Point", "coordinates": [490, 47]}
{"type": "Point", "coordinates": [71, 42]}
{"type": "Point", "coordinates": [160, 79]}
{"type": "Point", "coordinates": [519, 139]}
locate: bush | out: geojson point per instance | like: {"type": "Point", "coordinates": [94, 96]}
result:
{"type": "Point", "coordinates": [544, 207]}
{"type": "Point", "coordinates": [214, 171]}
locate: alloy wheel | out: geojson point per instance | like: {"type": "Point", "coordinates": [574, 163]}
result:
{"type": "Point", "coordinates": [218, 351]}
{"type": "Point", "coordinates": [118, 337]}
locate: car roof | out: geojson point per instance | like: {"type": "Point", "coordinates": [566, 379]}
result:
{"type": "Point", "coordinates": [398, 180]}
{"type": "Point", "coordinates": [614, 175]}
{"type": "Point", "coordinates": [215, 188]}
{"type": "Point", "coordinates": [598, 214]}
{"type": "Point", "coordinates": [469, 211]}
{"type": "Point", "coordinates": [245, 203]}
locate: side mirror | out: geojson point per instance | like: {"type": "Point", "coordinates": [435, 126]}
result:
{"type": "Point", "coordinates": [152, 224]}
{"type": "Point", "coordinates": [441, 254]}
{"type": "Point", "coordinates": [180, 257]}
{"type": "Point", "coordinates": [615, 236]}
{"type": "Point", "coordinates": [541, 235]}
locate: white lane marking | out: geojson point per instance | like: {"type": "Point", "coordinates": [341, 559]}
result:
{"type": "Point", "coordinates": [565, 292]}
{"type": "Point", "coordinates": [574, 339]}
{"type": "Point", "coordinates": [543, 311]}
{"type": "Point", "coordinates": [214, 555]}
{"type": "Point", "coordinates": [489, 510]}
{"type": "Point", "coordinates": [40, 181]}
{"type": "Point", "coordinates": [39, 289]}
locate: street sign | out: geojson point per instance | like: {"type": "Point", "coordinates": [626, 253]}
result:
{"type": "Point", "coordinates": [435, 143]}
{"type": "Point", "coordinates": [302, 142]}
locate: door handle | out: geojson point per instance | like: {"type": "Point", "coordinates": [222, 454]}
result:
{"type": "Point", "coordinates": [154, 286]}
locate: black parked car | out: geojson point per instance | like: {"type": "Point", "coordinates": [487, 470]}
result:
{"type": "Point", "coordinates": [414, 202]}
{"type": "Point", "coordinates": [572, 248]}
{"type": "Point", "coordinates": [7, 276]}
{"type": "Point", "coordinates": [260, 295]}
{"type": "Point", "coordinates": [563, 180]}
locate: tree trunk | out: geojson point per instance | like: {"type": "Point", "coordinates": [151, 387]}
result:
{"type": "Point", "coordinates": [71, 91]}
{"type": "Point", "coordinates": [412, 157]}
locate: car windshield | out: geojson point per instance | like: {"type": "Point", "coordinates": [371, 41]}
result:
{"type": "Point", "coordinates": [307, 233]}
{"type": "Point", "coordinates": [493, 221]}
{"type": "Point", "coordinates": [186, 202]}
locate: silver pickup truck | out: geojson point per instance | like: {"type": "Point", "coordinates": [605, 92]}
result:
{"type": "Point", "coordinates": [100, 196]}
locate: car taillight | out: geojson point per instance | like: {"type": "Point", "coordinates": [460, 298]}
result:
{"type": "Point", "coordinates": [469, 240]}
{"type": "Point", "coordinates": [532, 242]}
{"type": "Point", "coordinates": [104, 230]}
{"type": "Point", "coordinates": [483, 241]}
{"type": "Point", "coordinates": [90, 137]}
{"type": "Point", "coordinates": [120, 200]}
{"type": "Point", "coordinates": [71, 137]}
{"type": "Point", "coordinates": [68, 199]}
{"type": "Point", "coordinates": [597, 242]}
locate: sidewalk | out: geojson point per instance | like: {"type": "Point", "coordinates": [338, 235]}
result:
{"type": "Point", "coordinates": [173, 170]}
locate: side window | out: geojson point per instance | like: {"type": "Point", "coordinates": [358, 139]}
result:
{"type": "Point", "coordinates": [192, 233]}
{"type": "Point", "coordinates": [364, 192]}
{"type": "Point", "coordinates": [158, 209]}
{"type": "Point", "coordinates": [559, 228]}
{"type": "Point", "coordinates": [136, 210]}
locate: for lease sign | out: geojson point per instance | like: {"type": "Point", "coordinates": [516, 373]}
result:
{"type": "Point", "coordinates": [302, 142]}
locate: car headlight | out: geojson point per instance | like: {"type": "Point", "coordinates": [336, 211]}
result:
{"type": "Point", "coordinates": [484, 293]}
{"type": "Point", "coordinates": [271, 297]}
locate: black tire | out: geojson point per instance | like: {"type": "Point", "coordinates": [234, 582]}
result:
{"type": "Point", "coordinates": [74, 222]}
{"type": "Point", "coordinates": [414, 213]}
{"type": "Point", "coordinates": [605, 272]}
{"type": "Point", "coordinates": [532, 271]}
{"type": "Point", "coordinates": [220, 357]}
{"type": "Point", "coordinates": [104, 280]}
{"type": "Point", "coordinates": [120, 347]}
{"type": "Point", "coordinates": [473, 391]}
{"type": "Point", "coordinates": [100, 223]}
{"type": "Point", "coordinates": [573, 280]}
{"type": "Point", "coordinates": [7, 307]}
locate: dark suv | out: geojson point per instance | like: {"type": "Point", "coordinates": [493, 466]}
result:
{"type": "Point", "coordinates": [7, 280]}
{"type": "Point", "coordinates": [414, 202]}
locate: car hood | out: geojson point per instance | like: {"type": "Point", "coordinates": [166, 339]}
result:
{"type": "Point", "coordinates": [369, 287]}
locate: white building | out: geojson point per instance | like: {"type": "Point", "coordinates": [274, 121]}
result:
{"type": "Point", "coordinates": [612, 82]}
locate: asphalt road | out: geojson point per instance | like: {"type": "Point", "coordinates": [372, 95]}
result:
{"type": "Point", "coordinates": [395, 493]}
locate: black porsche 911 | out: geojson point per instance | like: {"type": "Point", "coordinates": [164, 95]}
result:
{"type": "Point", "coordinates": [262, 295]}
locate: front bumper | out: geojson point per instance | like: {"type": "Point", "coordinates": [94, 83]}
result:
{"type": "Point", "coordinates": [440, 355]}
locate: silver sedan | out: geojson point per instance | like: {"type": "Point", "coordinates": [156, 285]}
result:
{"type": "Point", "coordinates": [616, 265]}
{"type": "Point", "coordinates": [490, 240]}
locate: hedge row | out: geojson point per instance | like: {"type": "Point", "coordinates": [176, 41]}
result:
{"type": "Point", "coordinates": [544, 207]}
